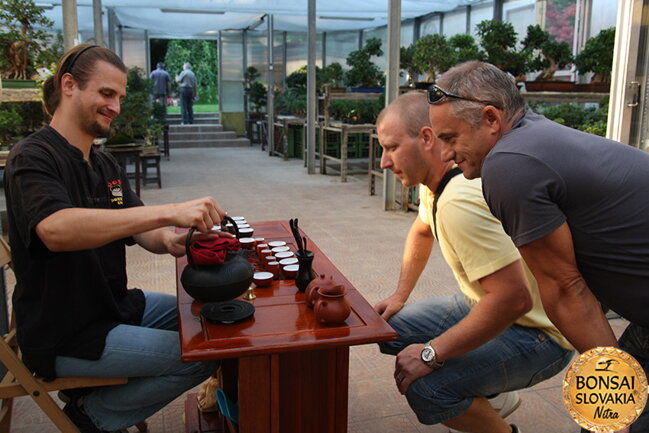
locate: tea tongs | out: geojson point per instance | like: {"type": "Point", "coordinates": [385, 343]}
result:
{"type": "Point", "coordinates": [296, 234]}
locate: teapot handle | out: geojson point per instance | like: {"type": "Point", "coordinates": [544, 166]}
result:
{"type": "Point", "coordinates": [188, 243]}
{"type": "Point", "coordinates": [190, 233]}
{"type": "Point", "coordinates": [227, 219]}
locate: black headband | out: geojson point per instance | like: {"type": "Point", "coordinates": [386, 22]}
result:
{"type": "Point", "coordinates": [71, 63]}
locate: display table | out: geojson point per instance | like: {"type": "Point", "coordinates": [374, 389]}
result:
{"type": "Point", "coordinates": [292, 371]}
{"type": "Point", "coordinates": [282, 123]}
{"type": "Point", "coordinates": [344, 129]}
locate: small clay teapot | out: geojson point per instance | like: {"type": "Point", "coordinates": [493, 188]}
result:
{"type": "Point", "coordinates": [332, 307]}
{"type": "Point", "coordinates": [311, 292]}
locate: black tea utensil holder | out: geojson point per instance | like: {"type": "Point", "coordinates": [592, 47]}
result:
{"type": "Point", "coordinates": [304, 273]}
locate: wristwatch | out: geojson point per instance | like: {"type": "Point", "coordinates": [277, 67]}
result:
{"type": "Point", "coordinates": [428, 356]}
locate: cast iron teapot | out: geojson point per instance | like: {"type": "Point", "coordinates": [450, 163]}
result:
{"type": "Point", "coordinates": [215, 283]}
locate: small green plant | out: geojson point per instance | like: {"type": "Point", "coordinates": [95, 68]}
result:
{"type": "Point", "coordinates": [10, 124]}
{"type": "Point", "coordinates": [356, 111]}
{"type": "Point", "coordinates": [545, 53]}
{"type": "Point", "coordinates": [585, 118]}
{"type": "Point", "coordinates": [332, 74]}
{"type": "Point", "coordinates": [432, 55]}
{"type": "Point", "coordinates": [363, 72]}
{"type": "Point", "coordinates": [597, 56]}
{"type": "Point", "coordinates": [291, 100]}
{"type": "Point", "coordinates": [407, 64]}
{"type": "Point", "coordinates": [498, 41]}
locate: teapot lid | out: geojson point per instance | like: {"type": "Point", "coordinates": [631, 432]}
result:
{"type": "Point", "coordinates": [332, 290]}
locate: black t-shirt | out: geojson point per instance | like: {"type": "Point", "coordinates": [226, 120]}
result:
{"type": "Point", "coordinates": [65, 302]}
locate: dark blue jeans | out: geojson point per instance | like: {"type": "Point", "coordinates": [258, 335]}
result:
{"type": "Point", "coordinates": [187, 104]}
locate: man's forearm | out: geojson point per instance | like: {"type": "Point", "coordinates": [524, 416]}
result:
{"type": "Point", "coordinates": [577, 313]}
{"type": "Point", "coordinates": [415, 257]}
{"type": "Point", "coordinates": [76, 229]}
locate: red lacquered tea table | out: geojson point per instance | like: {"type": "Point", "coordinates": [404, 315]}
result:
{"type": "Point", "coordinates": [288, 372]}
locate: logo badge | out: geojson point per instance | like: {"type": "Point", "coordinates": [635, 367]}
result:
{"type": "Point", "coordinates": [605, 389]}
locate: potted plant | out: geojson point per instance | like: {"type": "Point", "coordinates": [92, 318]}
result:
{"type": "Point", "coordinates": [134, 119]}
{"type": "Point", "coordinates": [597, 57]}
{"type": "Point", "coordinates": [407, 64]}
{"type": "Point", "coordinates": [24, 41]}
{"type": "Point", "coordinates": [364, 75]}
{"type": "Point", "coordinates": [332, 74]}
{"type": "Point", "coordinates": [432, 55]}
{"type": "Point", "coordinates": [547, 55]}
{"type": "Point", "coordinates": [498, 41]}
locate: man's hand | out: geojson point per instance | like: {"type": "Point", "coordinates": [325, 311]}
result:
{"type": "Point", "coordinates": [202, 213]}
{"type": "Point", "coordinates": [389, 306]}
{"type": "Point", "coordinates": [175, 243]}
{"type": "Point", "coordinates": [409, 367]}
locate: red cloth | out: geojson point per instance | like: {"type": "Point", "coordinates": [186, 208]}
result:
{"type": "Point", "coordinates": [212, 251]}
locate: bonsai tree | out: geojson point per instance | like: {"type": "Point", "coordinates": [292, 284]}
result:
{"type": "Point", "coordinates": [464, 48]}
{"type": "Point", "coordinates": [363, 72]}
{"type": "Point", "coordinates": [258, 96]}
{"type": "Point", "coordinates": [597, 56]}
{"type": "Point", "coordinates": [545, 53]}
{"type": "Point", "coordinates": [432, 55]}
{"type": "Point", "coordinates": [23, 45]}
{"type": "Point", "coordinates": [498, 41]}
{"type": "Point", "coordinates": [332, 74]}
{"type": "Point", "coordinates": [250, 75]}
{"type": "Point", "coordinates": [136, 112]}
{"type": "Point", "coordinates": [407, 63]}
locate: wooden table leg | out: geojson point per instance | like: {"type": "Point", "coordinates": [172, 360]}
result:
{"type": "Point", "coordinates": [294, 392]}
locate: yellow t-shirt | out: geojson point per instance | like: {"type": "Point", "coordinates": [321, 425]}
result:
{"type": "Point", "coordinates": [475, 245]}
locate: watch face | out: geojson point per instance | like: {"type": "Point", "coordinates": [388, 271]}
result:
{"type": "Point", "coordinates": [427, 355]}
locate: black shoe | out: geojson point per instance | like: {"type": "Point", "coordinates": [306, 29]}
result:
{"type": "Point", "coordinates": [80, 418]}
{"type": "Point", "coordinates": [514, 428]}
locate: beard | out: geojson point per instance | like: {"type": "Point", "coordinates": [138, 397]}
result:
{"type": "Point", "coordinates": [94, 128]}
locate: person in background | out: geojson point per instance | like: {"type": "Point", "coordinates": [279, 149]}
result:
{"type": "Point", "coordinates": [574, 204]}
{"type": "Point", "coordinates": [71, 213]}
{"type": "Point", "coordinates": [188, 92]}
{"type": "Point", "coordinates": [460, 358]}
{"type": "Point", "coordinates": [161, 84]}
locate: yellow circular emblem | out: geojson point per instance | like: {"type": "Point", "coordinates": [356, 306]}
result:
{"type": "Point", "coordinates": [605, 389]}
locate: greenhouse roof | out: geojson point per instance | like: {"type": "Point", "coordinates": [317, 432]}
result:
{"type": "Point", "coordinates": [206, 17]}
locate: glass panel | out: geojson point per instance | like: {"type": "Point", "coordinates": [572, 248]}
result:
{"type": "Point", "coordinates": [339, 45]}
{"type": "Point", "coordinates": [560, 20]}
{"type": "Point", "coordinates": [454, 22]}
{"type": "Point", "coordinates": [603, 15]}
{"type": "Point", "coordinates": [479, 14]}
{"type": "Point", "coordinates": [232, 94]}
{"type": "Point", "coordinates": [257, 55]}
{"type": "Point", "coordinates": [429, 26]}
{"type": "Point", "coordinates": [231, 56]}
{"type": "Point", "coordinates": [406, 34]}
{"type": "Point", "coordinates": [521, 14]}
{"type": "Point", "coordinates": [296, 50]}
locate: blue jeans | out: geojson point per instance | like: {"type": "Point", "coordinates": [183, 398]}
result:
{"type": "Point", "coordinates": [149, 355]}
{"type": "Point", "coordinates": [635, 341]}
{"type": "Point", "coordinates": [517, 358]}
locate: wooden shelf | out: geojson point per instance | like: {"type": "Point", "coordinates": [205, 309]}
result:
{"type": "Point", "coordinates": [20, 95]}
{"type": "Point", "coordinates": [564, 96]}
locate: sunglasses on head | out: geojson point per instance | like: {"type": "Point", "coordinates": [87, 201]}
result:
{"type": "Point", "coordinates": [437, 94]}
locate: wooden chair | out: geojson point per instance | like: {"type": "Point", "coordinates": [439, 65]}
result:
{"type": "Point", "coordinates": [19, 381]}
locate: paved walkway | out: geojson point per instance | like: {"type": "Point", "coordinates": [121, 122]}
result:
{"type": "Point", "coordinates": [363, 241]}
